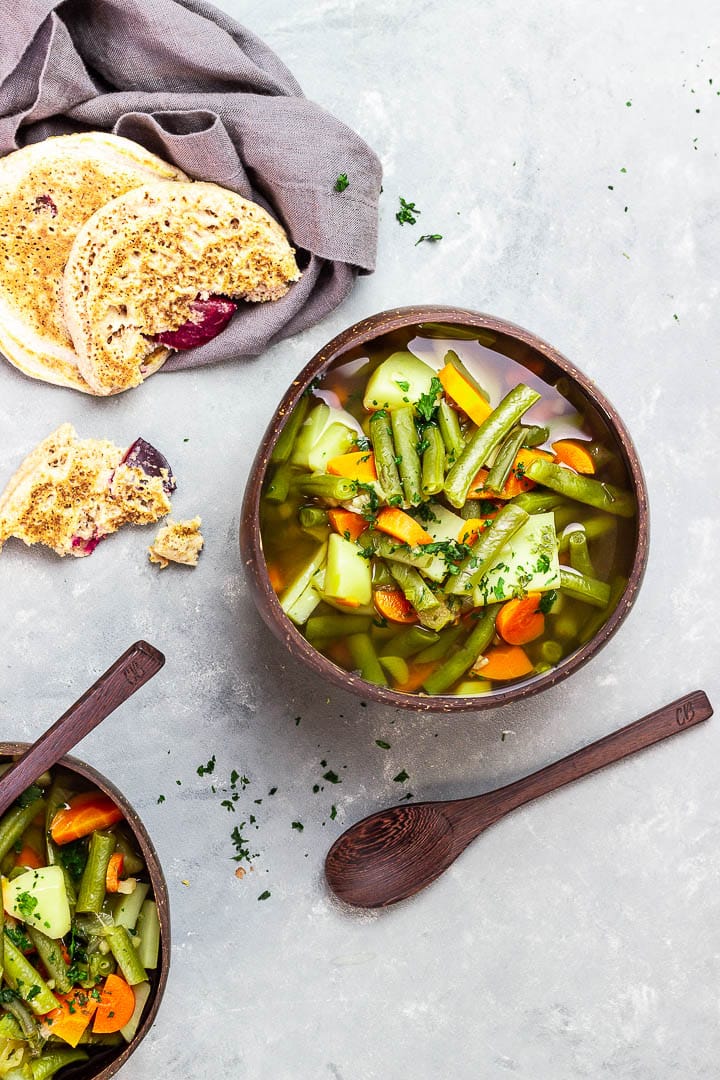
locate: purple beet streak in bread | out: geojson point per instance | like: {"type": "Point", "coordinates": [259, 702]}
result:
{"type": "Point", "coordinates": [211, 317]}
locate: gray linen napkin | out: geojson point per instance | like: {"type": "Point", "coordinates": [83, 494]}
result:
{"type": "Point", "coordinates": [195, 87]}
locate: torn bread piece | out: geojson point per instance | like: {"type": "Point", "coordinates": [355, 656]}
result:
{"type": "Point", "coordinates": [48, 190]}
{"type": "Point", "coordinates": [71, 493]}
{"type": "Point", "coordinates": [163, 268]}
{"type": "Point", "coordinates": [179, 542]}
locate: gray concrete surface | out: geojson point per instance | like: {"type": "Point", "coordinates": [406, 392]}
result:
{"type": "Point", "coordinates": [578, 938]}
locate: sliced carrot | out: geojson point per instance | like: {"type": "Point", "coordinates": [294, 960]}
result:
{"type": "Point", "coordinates": [403, 527]}
{"type": "Point", "coordinates": [348, 524]}
{"type": "Point", "coordinates": [28, 856]}
{"type": "Point", "coordinates": [465, 396]}
{"type": "Point", "coordinates": [339, 653]}
{"type": "Point", "coordinates": [472, 528]}
{"type": "Point", "coordinates": [84, 814]}
{"type": "Point", "coordinates": [276, 577]}
{"type": "Point", "coordinates": [359, 465]}
{"type": "Point", "coordinates": [72, 1018]}
{"type": "Point", "coordinates": [520, 621]}
{"type": "Point", "coordinates": [391, 604]}
{"type": "Point", "coordinates": [116, 1006]}
{"type": "Point", "coordinates": [114, 872]}
{"type": "Point", "coordinates": [505, 662]}
{"type": "Point", "coordinates": [517, 481]}
{"type": "Point", "coordinates": [574, 452]}
{"type": "Point", "coordinates": [418, 675]}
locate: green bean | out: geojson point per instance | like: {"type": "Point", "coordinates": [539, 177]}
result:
{"type": "Point", "coordinates": [10, 1028]}
{"type": "Point", "coordinates": [278, 489]}
{"type": "Point", "coordinates": [537, 502]}
{"type": "Point", "coordinates": [405, 439]}
{"type": "Point", "coordinates": [16, 821]}
{"type": "Point", "coordinates": [54, 1060]}
{"type": "Point", "coordinates": [396, 667]}
{"type": "Point", "coordinates": [385, 463]}
{"type": "Point", "coordinates": [598, 618]}
{"type": "Point", "coordinates": [409, 642]}
{"type": "Point", "coordinates": [50, 953]}
{"type": "Point", "coordinates": [433, 461]}
{"type": "Point", "coordinates": [381, 575]}
{"type": "Point", "coordinates": [126, 955]}
{"type": "Point", "coordinates": [312, 517]}
{"type": "Point", "coordinates": [452, 358]}
{"type": "Point", "coordinates": [44, 779]}
{"type": "Point", "coordinates": [595, 527]}
{"type": "Point", "coordinates": [450, 430]}
{"type": "Point", "coordinates": [125, 913]}
{"type": "Point", "coordinates": [441, 647]}
{"type": "Point", "coordinates": [92, 884]}
{"type": "Point", "coordinates": [551, 651]}
{"type": "Point", "coordinates": [584, 588]}
{"type": "Point", "coordinates": [148, 927]}
{"type": "Point", "coordinates": [432, 609]}
{"type": "Point", "coordinates": [504, 461]}
{"type": "Point", "coordinates": [534, 434]}
{"type": "Point", "coordinates": [365, 659]}
{"type": "Point", "coordinates": [460, 662]}
{"type": "Point", "coordinates": [486, 547]}
{"type": "Point", "coordinates": [487, 437]}
{"type": "Point", "coordinates": [22, 977]}
{"type": "Point", "coordinates": [333, 626]}
{"type": "Point", "coordinates": [100, 965]}
{"type": "Point", "coordinates": [582, 488]}
{"type": "Point", "coordinates": [432, 566]}
{"type": "Point", "coordinates": [25, 1025]}
{"type": "Point", "coordinates": [473, 687]}
{"type": "Point", "coordinates": [325, 486]}
{"type": "Point", "coordinates": [579, 552]}
{"type": "Point", "coordinates": [286, 439]}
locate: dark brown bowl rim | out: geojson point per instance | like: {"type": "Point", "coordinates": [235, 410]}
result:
{"type": "Point", "coordinates": [160, 895]}
{"type": "Point", "coordinates": [251, 542]}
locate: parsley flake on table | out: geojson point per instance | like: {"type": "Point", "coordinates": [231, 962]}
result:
{"type": "Point", "coordinates": [298, 825]}
{"type": "Point", "coordinates": [428, 236]}
{"type": "Point", "coordinates": [333, 812]}
{"type": "Point", "coordinates": [407, 212]}
{"type": "Point", "coordinates": [401, 777]}
{"type": "Point", "coordinates": [206, 770]}
{"type": "Point", "coordinates": [265, 895]}
{"type": "Point", "coordinates": [382, 744]}
{"type": "Point", "coordinates": [332, 777]}
{"type": "Point", "coordinates": [342, 182]}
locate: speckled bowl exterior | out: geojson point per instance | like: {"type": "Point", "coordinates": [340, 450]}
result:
{"type": "Point", "coordinates": [102, 1066]}
{"type": "Point", "coordinates": [533, 349]}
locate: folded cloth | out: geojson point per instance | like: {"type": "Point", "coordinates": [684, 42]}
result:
{"type": "Point", "coordinates": [195, 87]}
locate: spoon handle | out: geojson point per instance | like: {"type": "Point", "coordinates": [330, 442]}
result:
{"type": "Point", "coordinates": [671, 719]}
{"type": "Point", "coordinates": [129, 672]}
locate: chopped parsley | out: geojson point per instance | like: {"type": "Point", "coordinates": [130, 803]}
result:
{"type": "Point", "coordinates": [26, 905]}
{"type": "Point", "coordinates": [160, 799]}
{"type": "Point", "coordinates": [19, 938]}
{"type": "Point", "coordinates": [382, 744]}
{"type": "Point", "coordinates": [401, 777]}
{"type": "Point", "coordinates": [30, 795]}
{"type": "Point", "coordinates": [407, 212]}
{"type": "Point", "coordinates": [265, 895]}
{"type": "Point", "coordinates": [206, 770]}
{"type": "Point", "coordinates": [403, 384]}
{"type": "Point", "coordinates": [333, 812]}
{"type": "Point", "coordinates": [428, 236]}
{"type": "Point", "coordinates": [297, 825]}
{"type": "Point", "coordinates": [546, 601]}
{"type": "Point", "coordinates": [427, 403]}
{"type": "Point", "coordinates": [342, 182]}
{"type": "Point", "coordinates": [332, 777]}
{"type": "Point", "coordinates": [74, 857]}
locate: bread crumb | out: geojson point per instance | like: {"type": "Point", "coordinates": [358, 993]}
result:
{"type": "Point", "coordinates": [179, 542]}
{"type": "Point", "coordinates": [239, 873]}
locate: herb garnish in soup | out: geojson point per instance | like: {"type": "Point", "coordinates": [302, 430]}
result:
{"type": "Point", "coordinates": [80, 934]}
{"type": "Point", "coordinates": [440, 519]}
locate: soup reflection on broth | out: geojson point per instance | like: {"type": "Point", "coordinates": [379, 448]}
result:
{"type": "Point", "coordinates": [446, 513]}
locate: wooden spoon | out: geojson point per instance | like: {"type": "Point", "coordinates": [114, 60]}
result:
{"type": "Point", "coordinates": [394, 853]}
{"type": "Point", "coordinates": [129, 672]}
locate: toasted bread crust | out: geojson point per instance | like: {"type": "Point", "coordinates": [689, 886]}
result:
{"type": "Point", "coordinates": [47, 192]}
{"type": "Point", "coordinates": [179, 542]}
{"type": "Point", "coordinates": [69, 493]}
{"type": "Point", "coordinates": [140, 262]}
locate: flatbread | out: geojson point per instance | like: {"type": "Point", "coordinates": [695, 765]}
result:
{"type": "Point", "coordinates": [141, 261]}
{"type": "Point", "coordinates": [48, 190]}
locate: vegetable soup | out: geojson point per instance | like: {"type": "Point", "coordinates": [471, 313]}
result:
{"type": "Point", "coordinates": [446, 513]}
{"type": "Point", "coordinates": [81, 934]}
